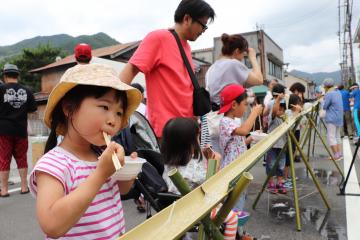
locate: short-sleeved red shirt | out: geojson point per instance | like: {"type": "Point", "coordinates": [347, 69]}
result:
{"type": "Point", "coordinates": [169, 88]}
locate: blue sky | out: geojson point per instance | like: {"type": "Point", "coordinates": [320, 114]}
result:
{"type": "Point", "coordinates": [306, 30]}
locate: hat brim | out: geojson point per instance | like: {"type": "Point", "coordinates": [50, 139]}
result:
{"type": "Point", "coordinates": [225, 108]}
{"type": "Point", "coordinates": [134, 98]}
{"type": "Point", "coordinates": [11, 71]}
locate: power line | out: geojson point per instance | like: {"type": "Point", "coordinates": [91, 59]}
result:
{"type": "Point", "coordinates": [345, 41]}
{"type": "Point", "coordinates": [305, 17]}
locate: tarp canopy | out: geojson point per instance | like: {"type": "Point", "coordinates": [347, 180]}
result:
{"type": "Point", "coordinates": [259, 91]}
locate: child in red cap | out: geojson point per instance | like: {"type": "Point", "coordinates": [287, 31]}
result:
{"type": "Point", "coordinates": [233, 102]}
{"type": "Point", "coordinates": [233, 141]}
{"type": "Point", "coordinates": [82, 53]}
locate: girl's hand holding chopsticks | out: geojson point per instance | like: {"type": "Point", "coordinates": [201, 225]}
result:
{"type": "Point", "coordinates": [111, 159]}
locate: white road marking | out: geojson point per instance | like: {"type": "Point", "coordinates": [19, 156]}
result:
{"type": "Point", "coordinates": [352, 202]}
{"type": "Point", "coordinates": [14, 190]}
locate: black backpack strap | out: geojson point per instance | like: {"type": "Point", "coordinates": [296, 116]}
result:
{"type": "Point", "coordinates": [186, 61]}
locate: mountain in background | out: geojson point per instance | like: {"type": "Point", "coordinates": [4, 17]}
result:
{"type": "Point", "coordinates": [318, 77]}
{"type": "Point", "coordinates": [63, 41]}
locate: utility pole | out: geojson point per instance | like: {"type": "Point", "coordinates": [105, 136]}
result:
{"type": "Point", "coordinates": [345, 42]}
{"type": "Point", "coordinates": [261, 48]}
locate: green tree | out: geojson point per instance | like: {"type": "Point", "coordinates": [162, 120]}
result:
{"type": "Point", "coordinates": [32, 58]}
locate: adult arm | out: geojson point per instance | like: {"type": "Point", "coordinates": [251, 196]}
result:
{"type": "Point", "coordinates": [327, 101]}
{"type": "Point", "coordinates": [146, 57]}
{"type": "Point", "coordinates": [32, 106]}
{"type": "Point", "coordinates": [267, 107]}
{"type": "Point", "coordinates": [255, 76]}
{"type": "Point", "coordinates": [128, 73]}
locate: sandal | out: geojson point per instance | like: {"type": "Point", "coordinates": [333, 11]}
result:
{"type": "Point", "coordinates": [5, 195]}
{"type": "Point", "coordinates": [281, 188]}
{"type": "Point", "coordinates": [139, 206]}
{"type": "Point", "coordinates": [272, 188]}
{"type": "Point", "coordinates": [25, 192]}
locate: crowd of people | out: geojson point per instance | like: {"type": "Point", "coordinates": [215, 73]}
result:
{"type": "Point", "coordinates": [76, 197]}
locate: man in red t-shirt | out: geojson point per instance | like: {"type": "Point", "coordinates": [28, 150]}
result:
{"type": "Point", "coordinates": [168, 85]}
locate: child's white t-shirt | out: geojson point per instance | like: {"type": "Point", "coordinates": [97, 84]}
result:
{"type": "Point", "coordinates": [194, 173]}
{"type": "Point", "coordinates": [104, 218]}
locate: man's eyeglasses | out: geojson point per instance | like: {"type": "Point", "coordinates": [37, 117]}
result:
{"type": "Point", "coordinates": [204, 27]}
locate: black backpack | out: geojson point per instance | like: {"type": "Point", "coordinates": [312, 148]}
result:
{"type": "Point", "coordinates": [152, 180]}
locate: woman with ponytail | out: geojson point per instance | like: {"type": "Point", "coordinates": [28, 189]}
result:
{"type": "Point", "coordinates": [229, 69]}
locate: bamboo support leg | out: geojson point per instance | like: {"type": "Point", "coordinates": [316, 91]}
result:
{"type": "Point", "coordinates": [211, 170]}
{"type": "Point", "coordinates": [316, 120]}
{"type": "Point", "coordinates": [233, 197]}
{"type": "Point", "coordinates": [326, 147]}
{"type": "Point", "coordinates": [271, 174]}
{"type": "Point", "coordinates": [308, 167]}
{"type": "Point", "coordinates": [210, 228]}
{"type": "Point", "coordinates": [309, 143]}
{"type": "Point", "coordinates": [292, 169]}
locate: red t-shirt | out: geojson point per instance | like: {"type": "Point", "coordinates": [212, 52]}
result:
{"type": "Point", "coordinates": [169, 88]}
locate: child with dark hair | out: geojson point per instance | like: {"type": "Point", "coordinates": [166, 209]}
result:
{"type": "Point", "coordinates": [299, 90]}
{"type": "Point", "coordinates": [232, 135]}
{"type": "Point", "coordinates": [82, 53]}
{"type": "Point", "coordinates": [138, 87]}
{"type": "Point", "coordinates": [277, 108]}
{"type": "Point", "coordinates": [181, 150]}
{"type": "Point", "coordinates": [294, 109]}
{"type": "Point", "coordinates": [75, 194]}
{"type": "Point", "coordinates": [233, 141]}
{"type": "Point", "coordinates": [142, 107]}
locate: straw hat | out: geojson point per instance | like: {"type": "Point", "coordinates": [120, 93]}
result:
{"type": "Point", "coordinates": [90, 74]}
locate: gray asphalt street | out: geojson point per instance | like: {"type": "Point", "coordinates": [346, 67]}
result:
{"type": "Point", "coordinates": [272, 219]}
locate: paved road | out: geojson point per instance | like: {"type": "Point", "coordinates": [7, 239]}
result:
{"type": "Point", "coordinates": [272, 219]}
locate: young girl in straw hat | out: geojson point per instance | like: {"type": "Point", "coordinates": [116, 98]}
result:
{"type": "Point", "coordinates": [76, 198]}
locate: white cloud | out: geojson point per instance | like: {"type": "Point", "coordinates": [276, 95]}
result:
{"type": "Point", "coordinates": [295, 25]}
{"type": "Point", "coordinates": [322, 56]}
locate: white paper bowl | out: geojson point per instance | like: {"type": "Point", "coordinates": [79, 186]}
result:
{"type": "Point", "coordinates": [257, 136]}
{"type": "Point", "coordinates": [130, 170]}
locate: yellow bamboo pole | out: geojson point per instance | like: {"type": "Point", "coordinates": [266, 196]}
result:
{"type": "Point", "coordinates": [233, 197]}
{"type": "Point", "coordinates": [211, 170]}
{"type": "Point", "coordinates": [190, 209]}
{"type": "Point", "coordinates": [211, 230]}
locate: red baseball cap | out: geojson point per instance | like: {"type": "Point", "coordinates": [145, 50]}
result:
{"type": "Point", "coordinates": [83, 51]}
{"type": "Point", "coordinates": [228, 95]}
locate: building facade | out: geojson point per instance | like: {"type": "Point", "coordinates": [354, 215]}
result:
{"type": "Point", "coordinates": [116, 56]}
{"type": "Point", "coordinates": [357, 40]}
{"type": "Point", "coordinates": [309, 85]}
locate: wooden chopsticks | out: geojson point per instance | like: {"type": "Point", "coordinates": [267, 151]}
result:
{"type": "Point", "coordinates": [114, 157]}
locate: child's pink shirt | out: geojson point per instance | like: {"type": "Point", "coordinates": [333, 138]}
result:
{"type": "Point", "coordinates": [104, 218]}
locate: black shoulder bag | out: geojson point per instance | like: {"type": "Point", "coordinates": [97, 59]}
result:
{"type": "Point", "coordinates": [201, 97]}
